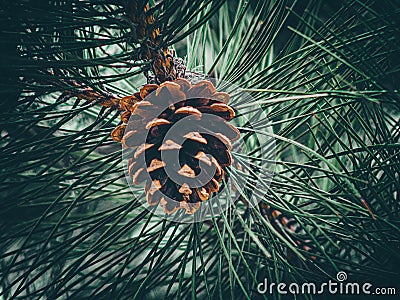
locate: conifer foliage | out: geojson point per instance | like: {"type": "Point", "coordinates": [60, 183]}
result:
{"type": "Point", "coordinates": [78, 79]}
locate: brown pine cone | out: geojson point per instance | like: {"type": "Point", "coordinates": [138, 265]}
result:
{"type": "Point", "coordinates": [281, 221]}
{"type": "Point", "coordinates": [180, 141]}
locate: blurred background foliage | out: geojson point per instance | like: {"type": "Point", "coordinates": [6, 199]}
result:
{"type": "Point", "coordinates": [325, 73]}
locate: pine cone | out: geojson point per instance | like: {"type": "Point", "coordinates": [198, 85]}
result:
{"type": "Point", "coordinates": [164, 65]}
{"type": "Point", "coordinates": [281, 221]}
{"type": "Point", "coordinates": [181, 142]}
